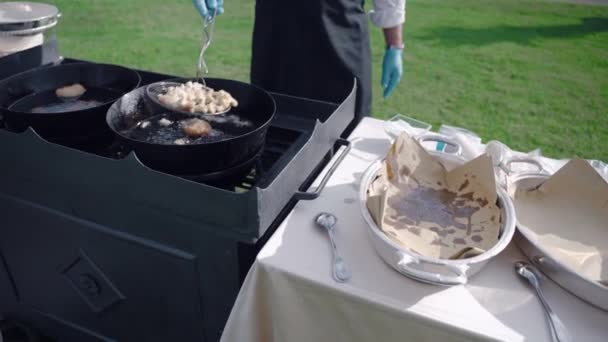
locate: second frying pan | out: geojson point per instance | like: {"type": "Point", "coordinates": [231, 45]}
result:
{"type": "Point", "coordinates": [28, 99]}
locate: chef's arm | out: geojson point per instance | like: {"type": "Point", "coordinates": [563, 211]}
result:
{"type": "Point", "coordinates": [390, 16]}
{"type": "Point", "coordinates": [393, 36]}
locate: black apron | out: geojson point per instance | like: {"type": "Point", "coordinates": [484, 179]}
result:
{"type": "Point", "coordinates": [313, 49]}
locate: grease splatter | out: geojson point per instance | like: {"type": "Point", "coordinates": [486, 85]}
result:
{"type": "Point", "coordinates": [476, 238]}
{"type": "Point", "coordinates": [464, 185]}
{"type": "Point", "coordinates": [459, 241]}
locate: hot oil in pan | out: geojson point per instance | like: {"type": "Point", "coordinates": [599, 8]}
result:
{"type": "Point", "coordinates": [166, 129]}
{"type": "Point", "coordinates": [48, 102]}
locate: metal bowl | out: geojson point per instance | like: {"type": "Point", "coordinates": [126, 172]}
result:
{"type": "Point", "coordinates": [592, 292]}
{"type": "Point", "coordinates": [426, 269]}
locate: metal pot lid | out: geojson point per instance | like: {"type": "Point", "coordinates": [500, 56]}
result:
{"type": "Point", "coordinates": [26, 18]}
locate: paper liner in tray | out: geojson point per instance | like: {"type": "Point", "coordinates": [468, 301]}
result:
{"type": "Point", "coordinates": [567, 216]}
{"type": "Point", "coordinates": [432, 211]}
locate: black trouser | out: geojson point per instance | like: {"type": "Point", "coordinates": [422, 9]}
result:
{"type": "Point", "coordinates": [313, 49]}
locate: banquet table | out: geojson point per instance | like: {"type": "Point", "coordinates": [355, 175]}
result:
{"type": "Point", "coordinates": [289, 293]}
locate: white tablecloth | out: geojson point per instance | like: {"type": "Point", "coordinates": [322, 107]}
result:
{"type": "Point", "coordinates": [289, 294]}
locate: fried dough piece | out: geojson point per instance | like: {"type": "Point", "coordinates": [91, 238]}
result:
{"type": "Point", "coordinates": [195, 128]}
{"type": "Point", "coordinates": [73, 90]}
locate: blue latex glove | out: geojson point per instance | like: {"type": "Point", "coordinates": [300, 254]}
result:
{"type": "Point", "coordinates": [208, 8]}
{"type": "Point", "coordinates": [392, 69]}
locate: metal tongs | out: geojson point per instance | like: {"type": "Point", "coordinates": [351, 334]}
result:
{"type": "Point", "coordinates": [201, 67]}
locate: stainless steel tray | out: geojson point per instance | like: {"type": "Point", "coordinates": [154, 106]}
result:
{"type": "Point", "coordinates": [592, 292]}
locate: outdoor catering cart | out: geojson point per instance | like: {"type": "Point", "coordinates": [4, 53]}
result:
{"type": "Point", "coordinates": [95, 245]}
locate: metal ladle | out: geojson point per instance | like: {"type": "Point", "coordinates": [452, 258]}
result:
{"type": "Point", "coordinates": [559, 333]}
{"type": "Point", "coordinates": [154, 90]}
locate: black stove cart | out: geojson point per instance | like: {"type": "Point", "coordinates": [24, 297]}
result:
{"type": "Point", "coordinates": [95, 246]}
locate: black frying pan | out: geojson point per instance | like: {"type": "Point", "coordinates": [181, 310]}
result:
{"type": "Point", "coordinates": [28, 99]}
{"type": "Point", "coordinates": [234, 146]}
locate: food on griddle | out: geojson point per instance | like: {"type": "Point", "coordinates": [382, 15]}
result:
{"type": "Point", "coordinates": [195, 128]}
{"type": "Point", "coordinates": [181, 141]}
{"type": "Point", "coordinates": [73, 90]}
{"type": "Point", "coordinates": [164, 122]}
{"type": "Point", "coordinates": [144, 124]}
{"type": "Point", "coordinates": [194, 97]}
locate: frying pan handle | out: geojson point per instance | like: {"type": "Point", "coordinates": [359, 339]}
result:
{"type": "Point", "coordinates": [406, 261]}
{"type": "Point", "coordinates": [306, 195]}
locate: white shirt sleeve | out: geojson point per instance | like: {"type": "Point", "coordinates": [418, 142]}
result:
{"type": "Point", "coordinates": [388, 13]}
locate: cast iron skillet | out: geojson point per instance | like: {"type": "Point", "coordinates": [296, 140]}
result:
{"type": "Point", "coordinates": [62, 120]}
{"type": "Point", "coordinates": [203, 157]}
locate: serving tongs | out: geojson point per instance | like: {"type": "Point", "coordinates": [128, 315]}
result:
{"type": "Point", "coordinates": [154, 90]}
{"type": "Point", "coordinates": [201, 66]}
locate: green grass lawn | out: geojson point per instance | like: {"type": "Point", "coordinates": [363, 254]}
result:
{"type": "Point", "coordinates": [527, 72]}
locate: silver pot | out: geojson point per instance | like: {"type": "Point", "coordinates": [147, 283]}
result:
{"type": "Point", "coordinates": [23, 25]}
{"type": "Point", "coordinates": [587, 290]}
{"type": "Point", "coordinates": [426, 269]}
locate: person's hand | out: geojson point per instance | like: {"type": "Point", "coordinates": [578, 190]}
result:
{"type": "Point", "coordinates": [392, 69]}
{"type": "Point", "coordinates": [208, 8]}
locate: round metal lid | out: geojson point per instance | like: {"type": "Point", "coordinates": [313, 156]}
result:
{"type": "Point", "coordinates": [24, 18]}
